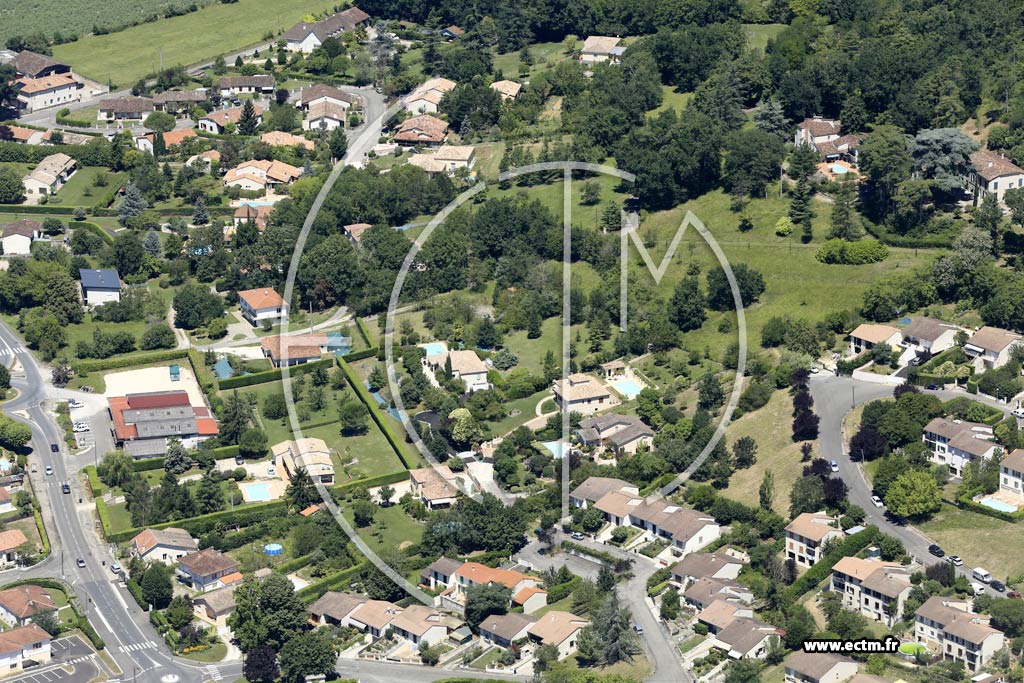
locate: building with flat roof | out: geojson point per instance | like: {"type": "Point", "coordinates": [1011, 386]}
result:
{"type": "Point", "coordinates": [142, 423]}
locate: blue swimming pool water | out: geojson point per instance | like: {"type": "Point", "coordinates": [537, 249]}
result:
{"type": "Point", "coordinates": [836, 168]}
{"type": "Point", "coordinates": [627, 388]}
{"type": "Point", "coordinates": [557, 448]}
{"type": "Point", "coordinates": [434, 348]}
{"type": "Point", "coordinates": [222, 368]}
{"type": "Point", "coordinates": [998, 505]}
{"type": "Point", "coordinates": [260, 492]}
{"type": "Point", "coordinates": [254, 203]}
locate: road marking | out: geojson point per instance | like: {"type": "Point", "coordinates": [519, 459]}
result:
{"type": "Point", "coordinates": [214, 673]}
{"type": "Point", "coordinates": [135, 647]}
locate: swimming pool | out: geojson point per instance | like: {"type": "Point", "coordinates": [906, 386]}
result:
{"type": "Point", "coordinates": [434, 348]}
{"type": "Point", "coordinates": [254, 203]}
{"type": "Point", "coordinates": [999, 505]}
{"type": "Point", "coordinates": [257, 492]}
{"type": "Point", "coordinates": [627, 388]}
{"type": "Point", "coordinates": [556, 448]}
{"type": "Point", "coordinates": [222, 368]}
{"type": "Point", "coordinates": [837, 168]}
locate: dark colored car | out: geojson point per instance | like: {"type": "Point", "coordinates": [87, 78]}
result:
{"type": "Point", "coordinates": [932, 387]}
{"type": "Point", "coordinates": [65, 487]}
{"type": "Point", "coordinates": [997, 585]}
{"type": "Point", "coordinates": [1014, 594]}
{"type": "Point", "coordinates": [239, 460]}
{"type": "Point", "coordinates": [936, 550]}
{"type": "Point", "coordinates": [54, 447]}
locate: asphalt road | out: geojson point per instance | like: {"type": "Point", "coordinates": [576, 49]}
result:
{"type": "Point", "coordinates": [834, 397]}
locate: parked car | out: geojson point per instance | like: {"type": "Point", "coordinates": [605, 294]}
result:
{"type": "Point", "coordinates": [936, 550]}
{"type": "Point", "coordinates": [75, 403]}
{"type": "Point", "coordinates": [1018, 412]}
{"type": "Point", "coordinates": [833, 465]}
{"type": "Point", "coordinates": [932, 387]}
{"type": "Point", "coordinates": [639, 629]}
{"type": "Point", "coordinates": [877, 502]}
{"type": "Point", "coordinates": [1014, 594]}
{"type": "Point", "coordinates": [271, 471]}
{"type": "Point", "coordinates": [955, 560]}
{"type": "Point", "coordinates": [977, 588]}
{"type": "Point", "coordinates": [239, 460]}
{"type": "Point", "coordinates": [80, 562]}
{"type": "Point", "coordinates": [35, 467]}
{"type": "Point", "coordinates": [997, 585]}
{"type": "Point", "coordinates": [576, 536]}
{"type": "Point", "coordinates": [116, 568]}
{"type": "Point", "coordinates": [54, 448]}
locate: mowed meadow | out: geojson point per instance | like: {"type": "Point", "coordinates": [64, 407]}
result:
{"type": "Point", "coordinates": [126, 56]}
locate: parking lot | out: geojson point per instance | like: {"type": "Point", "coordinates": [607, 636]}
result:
{"type": "Point", "coordinates": [72, 661]}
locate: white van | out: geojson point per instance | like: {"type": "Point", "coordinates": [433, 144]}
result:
{"type": "Point", "coordinates": [977, 588]}
{"type": "Point", "coordinates": [981, 575]}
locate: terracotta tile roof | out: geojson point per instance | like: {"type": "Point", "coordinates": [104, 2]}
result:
{"type": "Point", "coordinates": [437, 87]}
{"type": "Point", "coordinates": [254, 214]}
{"type": "Point", "coordinates": [356, 230]}
{"type": "Point", "coordinates": [417, 619]}
{"type": "Point", "coordinates": [525, 593]}
{"type": "Point", "coordinates": [435, 484]}
{"type": "Point", "coordinates": [455, 30]}
{"type": "Point", "coordinates": [594, 488]}
{"type": "Point", "coordinates": [311, 510]}
{"type": "Point", "coordinates": [507, 89]}
{"type": "Point", "coordinates": [581, 387]}
{"type": "Point", "coordinates": [22, 638]}
{"type": "Point", "coordinates": [991, 165]}
{"type": "Point", "coordinates": [376, 613]}
{"type": "Point", "coordinates": [31, 86]}
{"type": "Point", "coordinates": [208, 562]}
{"type": "Point", "coordinates": [174, 137]}
{"type": "Point", "coordinates": [148, 539]}
{"type": "Point", "coordinates": [813, 526]}
{"type": "Point", "coordinates": [297, 346]}
{"type": "Point", "coordinates": [555, 627]}
{"type": "Point", "coordinates": [220, 601]}
{"type": "Point", "coordinates": [258, 168]}
{"type": "Point", "coordinates": [860, 568]}
{"type": "Point", "coordinates": [126, 105]}
{"type": "Point", "coordinates": [819, 127]}
{"type": "Point", "coordinates": [874, 334]}
{"type": "Point", "coordinates": [458, 153]}
{"type": "Point", "coordinates": [482, 574]}
{"type": "Point", "coordinates": [223, 117]}
{"type": "Point", "coordinates": [232, 578]}
{"type": "Point", "coordinates": [600, 45]}
{"type": "Point", "coordinates": [11, 539]}
{"type": "Point", "coordinates": [265, 297]}
{"type": "Point", "coordinates": [26, 601]}
{"type": "Point", "coordinates": [422, 128]}
{"type": "Point", "coordinates": [19, 134]}
{"type": "Point", "coordinates": [277, 138]}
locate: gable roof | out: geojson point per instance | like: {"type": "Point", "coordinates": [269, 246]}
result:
{"type": "Point", "coordinates": [594, 488]}
{"type": "Point", "coordinates": [509, 89]}
{"type": "Point", "coordinates": [32, 63]}
{"type": "Point", "coordinates": [126, 105]}
{"type": "Point", "coordinates": [11, 539]}
{"type": "Point", "coordinates": [445, 566]}
{"type": "Point", "coordinates": [296, 346]}
{"type": "Point", "coordinates": [277, 138]}
{"type": "Point", "coordinates": [173, 137]}
{"type": "Point", "coordinates": [993, 339]}
{"type": "Point", "coordinates": [422, 128]}
{"type": "Point", "coordinates": [376, 613]}
{"type": "Point", "coordinates": [744, 634]}
{"type": "Point", "coordinates": [99, 278]}
{"type": "Point", "coordinates": [264, 297]}
{"type": "Point", "coordinates": [630, 434]}
{"type": "Point", "coordinates": [31, 86]}
{"type": "Point", "coordinates": [991, 165]}
{"type": "Point", "coordinates": [22, 638]}
{"type": "Point", "coordinates": [326, 109]}
{"type": "Point", "coordinates": [813, 526]}
{"type": "Point", "coordinates": [1014, 461]}
{"type": "Point", "coordinates": [179, 96]}
{"type": "Point", "coordinates": [947, 612]}
{"type": "Point", "coordinates": [482, 574]}
{"type": "Point", "coordinates": [507, 626]}
{"type": "Point", "coordinates": [322, 90]}
{"type": "Point", "coordinates": [336, 605]}
{"type": "Point", "coordinates": [554, 627]}
{"type": "Point", "coordinates": [814, 665]}
{"type": "Point", "coordinates": [26, 227]}
{"type": "Point", "coordinates": [223, 117]}
{"type": "Point", "coordinates": [600, 45]}
{"type": "Point", "coordinates": [256, 81]}
{"type": "Point", "coordinates": [220, 601]}
{"type": "Point", "coordinates": [874, 334]}
{"type": "Point", "coordinates": [331, 26]}
{"type": "Point", "coordinates": [147, 539]}
{"type": "Point", "coordinates": [703, 564]}
{"type": "Point", "coordinates": [819, 127]}
{"type": "Point", "coordinates": [927, 329]}
{"type": "Point", "coordinates": [356, 230]}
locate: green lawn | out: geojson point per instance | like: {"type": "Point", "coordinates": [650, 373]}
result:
{"type": "Point", "coordinates": [373, 452]}
{"type": "Point", "coordinates": [213, 654]}
{"type": "Point", "coordinates": [73, 193]}
{"type": "Point", "coordinates": [671, 99]}
{"type": "Point", "coordinates": [391, 528]}
{"type": "Point", "coordinates": [280, 430]}
{"type": "Point", "coordinates": [527, 408]}
{"type": "Point", "coordinates": [120, 518]}
{"type": "Point", "coordinates": [128, 55]}
{"type": "Point", "coordinates": [981, 540]}
{"type": "Point", "coordinates": [487, 659]}
{"type": "Point", "coordinates": [543, 55]}
{"type": "Point", "coordinates": [83, 332]}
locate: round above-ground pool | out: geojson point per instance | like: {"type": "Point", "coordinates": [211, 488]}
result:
{"type": "Point", "coordinates": [912, 649]}
{"type": "Point", "coordinates": [273, 549]}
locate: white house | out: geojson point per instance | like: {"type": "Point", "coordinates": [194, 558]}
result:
{"type": "Point", "coordinates": [320, 92]}
{"type": "Point", "coordinates": [305, 37]}
{"type": "Point", "coordinates": [687, 529]}
{"type": "Point", "coordinates": [806, 535]}
{"type": "Point", "coordinates": [18, 605]}
{"type": "Point", "coordinates": [582, 394]}
{"type": "Point", "coordinates": [260, 84]}
{"type": "Point", "coordinates": [949, 627]}
{"type": "Point", "coordinates": [718, 565]}
{"type": "Point", "coordinates": [10, 541]}
{"type": "Point", "coordinates": [957, 443]}
{"type": "Point", "coordinates": [816, 130]}
{"type": "Point", "coordinates": [55, 90]}
{"type": "Point", "coordinates": [990, 347]}
{"type": "Point", "coordinates": [623, 434]}
{"type": "Point", "coordinates": [124, 109]}
{"type": "Point", "coordinates": [993, 173]}
{"type": "Point", "coordinates": [597, 49]}
{"type": "Point", "coordinates": [929, 336]}
{"type": "Point", "coordinates": [426, 98]}
{"type": "Point", "coordinates": [872, 588]}
{"type": "Point", "coordinates": [163, 545]}
{"type": "Point", "coordinates": [99, 286]}
{"type": "Point", "coordinates": [594, 489]}
{"type": "Point", "coordinates": [261, 174]}
{"type": "Point", "coordinates": [324, 115]}
{"type": "Point", "coordinates": [217, 121]}
{"type": "Point", "coordinates": [262, 304]}
{"type": "Point", "coordinates": [24, 647]}
{"type": "Point", "coordinates": [561, 629]}
{"type": "Point", "coordinates": [1011, 474]}
{"type": "Point", "coordinates": [50, 174]}
{"type": "Point", "coordinates": [867, 336]}
{"type": "Point", "coordinates": [17, 237]}
{"type": "Point", "coordinates": [465, 365]}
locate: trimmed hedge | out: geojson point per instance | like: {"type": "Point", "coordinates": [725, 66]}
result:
{"type": "Point", "coordinates": [315, 591]}
{"type": "Point", "coordinates": [213, 211]}
{"type": "Point", "coordinates": [600, 555]}
{"type": "Point", "coordinates": [147, 464]}
{"type": "Point", "coordinates": [294, 564]}
{"type": "Point", "coordinates": [363, 332]}
{"type": "Point", "coordinates": [848, 547]}
{"type": "Point", "coordinates": [272, 375]}
{"type": "Point", "coordinates": [92, 154]}
{"type": "Point", "coordinates": [223, 452]}
{"type": "Point", "coordinates": [360, 355]}
{"type": "Point", "coordinates": [203, 524]}
{"type": "Point", "coordinates": [966, 503]}
{"type": "Point", "coordinates": [95, 485]}
{"type": "Point", "coordinates": [562, 590]}
{"type": "Point", "coordinates": [104, 515]}
{"type": "Point", "coordinates": [31, 208]}
{"type": "Point", "coordinates": [129, 361]}
{"type": "Point", "coordinates": [370, 482]}
{"type": "Point", "coordinates": [64, 119]}
{"type": "Point", "coordinates": [92, 228]}
{"type": "Point", "coordinates": [42, 533]}
{"type": "Point", "coordinates": [385, 427]}
{"type": "Point", "coordinates": [204, 375]}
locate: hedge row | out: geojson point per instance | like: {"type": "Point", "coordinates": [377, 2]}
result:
{"type": "Point", "coordinates": [223, 452]}
{"type": "Point", "coordinates": [294, 564]}
{"type": "Point", "coordinates": [94, 229]}
{"type": "Point", "coordinates": [87, 155]}
{"type": "Point", "coordinates": [370, 482]}
{"type": "Point", "coordinates": [848, 547]}
{"type": "Point", "coordinates": [202, 524]}
{"type": "Point", "coordinates": [116, 362]}
{"type": "Point", "coordinates": [968, 504]}
{"type": "Point", "coordinates": [104, 515]}
{"type": "Point", "coordinates": [64, 119]}
{"type": "Point", "coordinates": [213, 211]}
{"type": "Point", "coordinates": [924, 379]}
{"type": "Point", "coordinates": [42, 533]}
{"type": "Point", "coordinates": [342, 579]}
{"type": "Point", "coordinates": [272, 375]}
{"type": "Point", "coordinates": [95, 485]}
{"type": "Point", "coordinates": [600, 555]}
{"type": "Point", "coordinates": [147, 464]}
{"type": "Point", "coordinates": [385, 427]}
{"type": "Point", "coordinates": [360, 355]}
{"type": "Point", "coordinates": [32, 208]}
{"type": "Point", "coordinates": [363, 332]}
{"type": "Point", "coordinates": [204, 375]}
{"type": "Point", "coordinates": [562, 590]}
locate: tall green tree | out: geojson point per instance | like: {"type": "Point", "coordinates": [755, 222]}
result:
{"type": "Point", "coordinates": [800, 211]}
{"type": "Point", "coordinates": [248, 121]}
{"type": "Point", "coordinates": [845, 225]}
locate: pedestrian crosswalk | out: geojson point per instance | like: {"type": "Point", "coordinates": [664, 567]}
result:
{"type": "Point", "coordinates": [135, 647]}
{"type": "Point", "coordinates": [213, 673]}
{"type": "Point", "coordinates": [11, 350]}
{"type": "Point", "coordinates": [79, 660]}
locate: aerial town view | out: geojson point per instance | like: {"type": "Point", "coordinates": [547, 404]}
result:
{"type": "Point", "coordinates": [543, 341]}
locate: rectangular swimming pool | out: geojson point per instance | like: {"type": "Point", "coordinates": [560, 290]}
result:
{"type": "Point", "coordinates": [998, 505]}
{"type": "Point", "coordinates": [257, 492]}
{"type": "Point", "coordinates": [627, 388]}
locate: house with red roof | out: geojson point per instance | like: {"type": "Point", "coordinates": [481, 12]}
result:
{"type": "Point", "coordinates": [262, 304]}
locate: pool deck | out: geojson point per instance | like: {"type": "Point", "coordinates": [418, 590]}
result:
{"type": "Point", "coordinates": [276, 488]}
{"type": "Point", "coordinates": [1003, 497]}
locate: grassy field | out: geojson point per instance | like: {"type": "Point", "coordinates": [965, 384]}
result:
{"type": "Point", "coordinates": [543, 55]}
{"type": "Point", "coordinates": [128, 55]}
{"type": "Point", "coordinates": [212, 654]}
{"type": "Point", "coordinates": [981, 540]}
{"type": "Point", "coordinates": [391, 528]}
{"type": "Point", "coordinates": [758, 35]}
{"type": "Point", "coordinates": [373, 452]}
{"type": "Point", "coordinates": [671, 99]}
{"type": "Point", "coordinates": [796, 283]}
{"type": "Point", "coordinates": [776, 451]}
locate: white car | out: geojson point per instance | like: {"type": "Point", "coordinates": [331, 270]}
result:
{"type": "Point", "coordinates": [80, 428]}
{"type": "Point", "coordinates": [271, 471]}
{"type": "Point", "coordinates": [877, 502]}
{"type": "Point", "coordinates": [49, 470]}
{"type": "Point", "coordinates": [1017, 412]}
{"type": "Point", "coordinates": [75, 403]}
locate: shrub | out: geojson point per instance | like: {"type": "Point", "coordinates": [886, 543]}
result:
{"type": "Point", "coordinates": [852, 253]}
